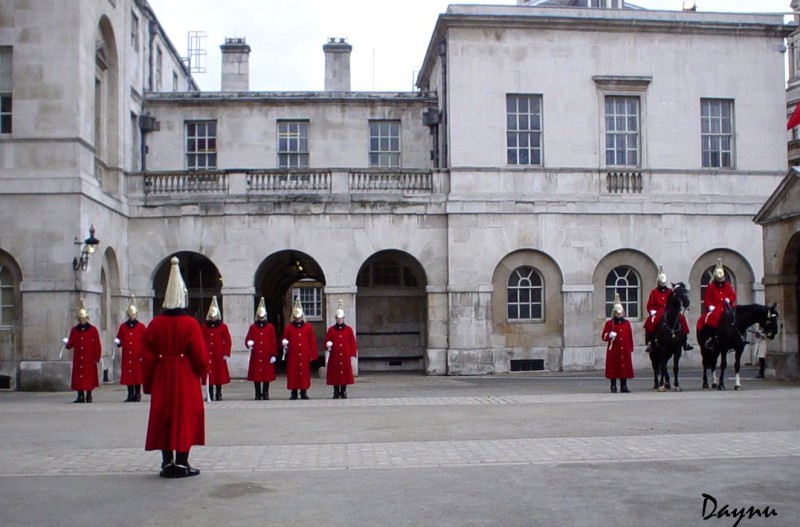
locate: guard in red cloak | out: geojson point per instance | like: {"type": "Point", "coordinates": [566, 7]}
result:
{"type": "Point", "coordinates": [299, 349]}
{"type": "Point", "coordinates": [84, 340]}
{"type": "Point", "coordinates": [175, 360]}
{"type": "Point", "coordinates": [260, 340]}
{"type": "Point", "coordinates": [619, 336]}
{"type": "Point", "coordinates": [340, 342]}
{"type": "Point", "coordinates": [130, 338]}
{"type": "Point", "coordinates": [218, 342]}
{"type": "Point", "coordinates": [656, 305]}
{"type": "Point", "coordinates": [719, 296]}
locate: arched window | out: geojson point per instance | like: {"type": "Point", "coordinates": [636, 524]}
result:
{"type": "Point", "coordinates": [624, 281]}
{"type": "Point", "coordinates": [8, 307]}
{"type": "Point", "coordinates": [708, 275]}
{"type": "Point", "coordinates": [525, 294]}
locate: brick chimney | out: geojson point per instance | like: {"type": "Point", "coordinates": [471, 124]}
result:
{"type": "Point", "coordinates": [337, 65]}
{"type": "Point", "coordinates": [235, 65]}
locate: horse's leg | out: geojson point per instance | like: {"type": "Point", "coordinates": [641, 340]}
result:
{"type": "Point", "coordinates": [723, 363]}
{"type": "Point", "coordinates": [656, 363]}
{"type": "Point", "coordinates": [737, 363]}
{"type": "Point", "coordinates": [665, 368]}
{"type": "Point", "coordinates": [703, 357]}
{"type": "Point", "coordinates": [675, 360]}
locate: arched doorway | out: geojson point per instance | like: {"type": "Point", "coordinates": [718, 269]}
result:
{"type": "Point", "coordinates": [391, 313]}
{"type": "Point", "coordinates": [202, 278]}
{"type": "Point", "coordinates": [10, 320]}
{"type": "Point", "coordinates": [280, 278]}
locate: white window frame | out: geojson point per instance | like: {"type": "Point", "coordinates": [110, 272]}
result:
{"type": "Point", "coordinates": [622, 284]}
{"type": "Point", "coordinates": [622, 126]}
{"type": "Point", "coordinates": [525, 286]}
{"type": "Point", "coordinates": [6, 85]}
{"type": "Point", "coordinates": [311, 300]}
{"type": "Point", "coordinates": [717, 136]}
{"type": "Point", "coordinates": [292, 147]}
{"type": "Point", "coordinates": [201, 145]}
{"type": "Point", "coordinates": [385, 143]}
{"type": "Point", "coordinates": [524, 129]}
{"type": "Point", "coordinates": [6, 295]}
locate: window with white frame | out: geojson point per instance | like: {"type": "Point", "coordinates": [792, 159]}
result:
{"type": "Point", "coordinates": [384, 144]}
{"type": "Point", "coordinates": [311, 300]}
{"type": "Point", "coordinates": [622, 130]}
{"type": "Point", "coordinates": [716, 132]}
{"type": "Point", "coordinates": [5, 89]}
{"type": "Point", "coordinates": [525, 295]}
{"type": "Point", "coordinates": [7, 305]}
{"type": "Point", "coordinates": [134, 32]}
{"type": "Point", "coordinates": [524, 129]}
{"type": "Point", "coordinates": [201, 145]}
{"type": "Point", "coordinates": [293, 144]}
{"type": "Point", "coordinates": [624, 281]}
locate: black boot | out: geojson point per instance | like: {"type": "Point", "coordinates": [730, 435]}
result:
{"type": "Point", "coordinates": [88, 396]}
{"type": "Point", "coordinates": [265, 391]}
{"type": "Point", "coordinates": [343, 391]}
{"type": "Point", "coordinates": [219, 392]}
{"type": "Point", "coordinates": [613, 386]}
{"type": "Point", "coordinates": [137, 392]}
{"type": "Point", "coordinates": [131, 397]}
{"type": "Point", "coordinates": [294, 395]}
{"type": "Point", "coordinates": [624, 386]}
{"type": "Point", "coordinates": [257, 386]}
{"type": "Point", "coordinates": [762, 363]}
{"type": "Point", "coordinates": [304, 395]}
{"type": "Point", "coordinates": [166, 460]}
{"type": "Point", "coordinates": [80, 398]}
{"type": "Point", "coordinates": [336, 391]}
{"type": "Point", "coordinates": [180, 468]}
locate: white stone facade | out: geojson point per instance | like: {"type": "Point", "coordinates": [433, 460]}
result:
{"type": "Point", "coordinates": [420, 254]}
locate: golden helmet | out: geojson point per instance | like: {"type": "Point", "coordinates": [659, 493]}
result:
{"type": "Point", "coordinates": [297, 309]}
{"type": "Point", "coordinates": [339, 314]}
{"type": "Point", "coordinates": [132, 309]}
{"type": "Point", "coordinates": [83, 314]}
{"type": "Point", "coordinates": [176, 295]}
{"type": "Point", "coordinates": [661, 278]}
{"type": "Point", "coordinates": [719, 272]}
{"type": "Point", "coordinates": [617, 310]}
{"type": "Point", "coordinates": [261, 310]}
{"type": "Point", "coordinates": [213, 310]}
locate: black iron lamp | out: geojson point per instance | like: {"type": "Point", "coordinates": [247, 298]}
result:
{"type": "Point", "coordinates": [81, 263]}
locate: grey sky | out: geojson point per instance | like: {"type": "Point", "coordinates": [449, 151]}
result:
{"type": "Point", "coordinates": [389, 39]}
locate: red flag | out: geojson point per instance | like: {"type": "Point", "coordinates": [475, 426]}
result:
{"type": "Point", "coordinates": [794, 120]}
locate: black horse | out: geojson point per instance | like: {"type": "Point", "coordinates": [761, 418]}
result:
{"type": "Point", "coordinates": [730, 337]}
{"type": "Point", "coordinates": [669, 339]}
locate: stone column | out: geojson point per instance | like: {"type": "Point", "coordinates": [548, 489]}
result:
{"type": "Point", "coordinates": [782, 352]}
{"type": "Point", "coordinates": [238, 311]}
{"type": "Point", "coordinates": [470, 351]}
{"type": "Point", "coordinates": [437, 331]}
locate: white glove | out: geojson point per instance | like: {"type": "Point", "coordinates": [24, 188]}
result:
{"type": "Point", "coordinates": [329, 345]}
{"type": "Point", "coordinates": [285, 342]}
{"type": "Point", "coordinates": [117, 342]}
{"type": "Point", "coordinates": [711, 308]}
{"type": "Point", "coordinates": [272, 360]}
{"type": "Point", "coordinates": [250, 344]}
{"type": "Point", "coordinates": [613, 334]}
{"type": "Point", "coordinates": [727, 300]}
{"type": "Point", "coordinates": [65, 340]}
{"type": "Point", "coordinates": [652, 312]}
{"type": "Point", "coordinates": [225, 358]}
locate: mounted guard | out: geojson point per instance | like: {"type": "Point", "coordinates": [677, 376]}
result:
{"type": "Point", "coordinates": [656, 304]}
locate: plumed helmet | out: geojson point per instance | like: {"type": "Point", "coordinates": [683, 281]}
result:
{"type": "Point", "coordinates": [82, 313]}
{"type": "Point", "coordinates": [617, 310]}
{"type": "Point", "coordinates": [261, 310]}
{"type": "Point", "coordinates": [132, 309]}
{"type": "Point", "coordinates": [339, 311]}
{"type": "Point", "coordinates": [297, 309]}
{"type": "Point", "coordinates": [661, 278]}
{"type": "Point", "coordinates": [213, 310]}
{"type": "Point", "coordinates": [176, 295]}
{"type": "Point", "coordinates": [719, 272]}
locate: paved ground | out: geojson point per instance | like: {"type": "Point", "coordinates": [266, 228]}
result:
{"type": "Point", "coordinates": [519, 449]}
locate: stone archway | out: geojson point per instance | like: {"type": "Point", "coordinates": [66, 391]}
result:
{"type": "Point", "coordinates": [391, 313]}
{"type": "Point", "coordinates": [10, 320]}
{"type": "Point", "coordinates": [202, 278]}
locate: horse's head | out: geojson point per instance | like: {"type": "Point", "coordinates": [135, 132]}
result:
{"type": "Point", "coordinates": [770, 324]}
{"type": "Point", "coordinates": [680, 293]}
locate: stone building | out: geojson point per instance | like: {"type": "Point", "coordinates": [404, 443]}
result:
{"type": "Point", "coordinates": [555, 152]}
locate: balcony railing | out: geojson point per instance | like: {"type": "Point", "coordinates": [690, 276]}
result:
{"type": "Point", "coordinates": [390, 181]}
{"type": "Point", "coordinates": [624, 182]}
{"type": "Point", "coordinates": [186, 183]}
{"type": "Point", "coordinates": [270, 181]}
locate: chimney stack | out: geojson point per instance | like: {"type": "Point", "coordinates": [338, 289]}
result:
{"type": "Point", "coordinates": [337, 65]}
{"type": "Point", "coordinates": [235, 65]}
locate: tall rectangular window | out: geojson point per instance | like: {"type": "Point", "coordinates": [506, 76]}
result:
{"type": "Point", "coordinates": [159, 68]}
{"type": "Point", "coordinates": [293, 144]}
{"type": "Point", "coordinates": [622, 131]}
{"type": "Point", "coordinates": [524, 129]}
{"type": "Point", "coordinates": [716, 132]}
{"type": "Point", "coordinates": [5, 89]}
{"type": "Point", "coordinates": [311, 300]}
{"type": "Point", "coordinates": [134, 32]}
{"type": "Point", "coordinates": [384, 144]}
{"type": "Point", "coordinates": [201, 145]}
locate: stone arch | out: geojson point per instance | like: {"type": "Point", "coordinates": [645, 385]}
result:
{"type": "Point", "coordinates": [202, 278]}
{"type": "Point", "coordinates": [646, 271]}
{"type": "Point", "coordinates": [106, 101]}
{"type": "Point", "coordinates": [391, 312]}
{"type": "Point", "coordinates": [731, 260]}
{"type": "Point", "coordinates": [790, 317]}
{"type": "Point", "coordinates": [535, 343]}
{"type": "Point", "coordinates": [10, 320]}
